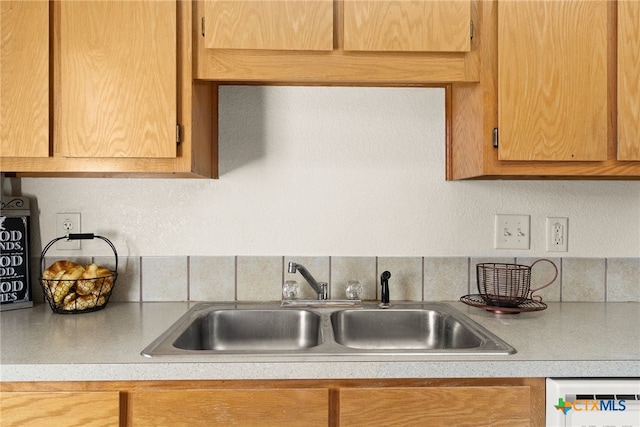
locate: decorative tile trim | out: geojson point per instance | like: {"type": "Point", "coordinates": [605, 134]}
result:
{"type": "Point", "coordinates": [164, 279]}
{"type": "Point", "coordinates": [623, 279]}
{"type": "Point", "coordinates": [259, 278]}
{"type": "Point", "coordinates": [362, 269]}
{"type": "Point", "coordinates": [583, 279]}
{"type": "Point", "coordinates": [128, 284]}
{"type": "Point", "coordinates": [212, 278]}
{"type": "Point", "coordinates": [406, 277]}
{"type": "Point", "coordinates": [446, 279]}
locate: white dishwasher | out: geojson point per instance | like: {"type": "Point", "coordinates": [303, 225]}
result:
{"type": "Point", "coordinates": [586, 402]}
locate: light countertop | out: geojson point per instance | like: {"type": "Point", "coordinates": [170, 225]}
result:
{"type": "Point", "coordinates": [565, 340]}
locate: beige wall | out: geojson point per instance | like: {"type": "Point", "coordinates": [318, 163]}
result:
{"type": "Point", "coordinates": [335, 172]}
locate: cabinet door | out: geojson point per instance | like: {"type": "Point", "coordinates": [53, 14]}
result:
{"type": "Point", "coordinates": [423, 26]}
{"type": "Point", "coordinates": [552, 80]}
{"type": "Point", "coordinates": [117, 93]}
{"type": "Point", "coordinates": [629, 80]}
{"type": "Point", "coordinates": [436, 406]}
{"type": "Point", "coordinates": [82, 409]}
{"type": "Point", "coordinates": [24, 78]}
{"type": "Point", "coordinates": [224, 407]}
{"type": "Point", "coordinates": [273, 24]}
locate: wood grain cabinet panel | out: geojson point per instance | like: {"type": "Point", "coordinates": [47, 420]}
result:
{"type": "Point", "coordinates": [81, 409]}
{"type": "Point", "coordinates": [335, 42]}
{"type": "Point", "coordinates": [552, 80]}
{"type": "Point", "coordinates": [559, 82]}
{"type": "Point", "coordinates": [436, 406]}
{"type": "Point", "coordinates": [238, 407]}
{"type": "Point", "coordinates": [24, 78]}
{"type": "Point", "coordinates": [118, 77]}
{"type": "Point", "coordinates": [629, 80]}
{"type": "Point", "coordinates": [448, 402]}
{"type": "Point", "coordinates": [121, 81]}
{"type": "Point", "coordinates": [270, 25]}
{"type": "Point", "coordinates": [419, 26]}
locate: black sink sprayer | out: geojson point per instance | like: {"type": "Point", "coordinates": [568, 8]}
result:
{"type": "Point", "coordinates": [384, 298]}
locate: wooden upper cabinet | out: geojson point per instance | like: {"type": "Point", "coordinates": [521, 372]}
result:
{"type": "Point", "coordinates": [117, 80]}
{"type": "Point", "coordinates": [419, 26]}
{"type": "Point", "coordinates": [552, 80]}
{"type": "Point", "coordinates": [24, 78]}
{"type": "Point", "coordinates": [269, 25]}
{"type": "Point", "coordinates": [628, 80]}
{"type": "Point", "coordinates": [336, 42]}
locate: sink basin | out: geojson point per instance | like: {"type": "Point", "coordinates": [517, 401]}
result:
{"type": "Point", "coordinates": [399, 329]}
{"type": "Point", "coordinates": [231, 330]}
{"type": "Point", "coordinates": [239, 329]}
{"type": "Point", "coordinates": [268, 329]}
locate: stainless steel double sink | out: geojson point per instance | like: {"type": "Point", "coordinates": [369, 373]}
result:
{"type": "Point", "coordinates": [269, 329]}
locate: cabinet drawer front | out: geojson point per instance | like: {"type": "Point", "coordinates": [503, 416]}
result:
{"type": "Point", "coordinates": [437, 406]}
{"type": "Point", "coordinates": [274, 24]}
{"type": "Point", "coordinates": [241, 407]}
{"type": "Point", "coordinates": [419, 26]}
{"type": "Point", "coordinates": [82, 409]}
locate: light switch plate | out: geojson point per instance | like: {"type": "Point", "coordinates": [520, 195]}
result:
{"type": "Point", "coordinates": [512, 231]}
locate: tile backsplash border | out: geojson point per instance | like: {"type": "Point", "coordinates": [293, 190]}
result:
{"type": "Point", "coordinates": [259, 278]}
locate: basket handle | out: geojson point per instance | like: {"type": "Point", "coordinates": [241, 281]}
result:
{"type": "Point", "coordinates": [78, 236]}
{"type": "Point", "coordinates": [555, 276]}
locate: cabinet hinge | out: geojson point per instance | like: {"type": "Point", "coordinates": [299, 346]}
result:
{"type": "Point", "coordinates": [495, 137]}
{"type": "Point", "coordinates": [202, 26]}
{"type": "Point", "coordinates": [471, 29]}
{"type": "Point", "coordinates": [178, 135]}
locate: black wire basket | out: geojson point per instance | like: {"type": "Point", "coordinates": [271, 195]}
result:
{"type": "Point", "coordinates": [508, 285]}
{"type": "Point", "coordinates": [82, 294]}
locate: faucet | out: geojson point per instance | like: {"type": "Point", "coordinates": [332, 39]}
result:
{"type": "Point", "coordinates": [384, 297]}
{"type": "Point", "coordinates": [319, 287]}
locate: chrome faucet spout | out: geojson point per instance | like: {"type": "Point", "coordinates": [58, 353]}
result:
{"type": "Point", "coordinates": [293, 267]}
{"type": "Point", "coordinates": [320, 288]}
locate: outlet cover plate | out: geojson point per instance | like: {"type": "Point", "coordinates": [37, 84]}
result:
{"type": "Point", "coordinates": [557, 230]}
{"type": "Point", "coordinates": [67, 223]}
{"type": "Point", "coordinates": [512, 231]}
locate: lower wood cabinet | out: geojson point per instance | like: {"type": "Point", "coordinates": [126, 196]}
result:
{"type": "Point", "coordinates": [202, 407]}
{"type": "Point", "coordinates": [362, 402]}
{"type": "Point", "coordinates": [59, 408]}
{"type": "Point", "coordinates": [436, 406]}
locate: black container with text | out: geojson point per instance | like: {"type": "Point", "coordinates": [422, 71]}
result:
{"type": "Point", "coordinates": [15, 284]}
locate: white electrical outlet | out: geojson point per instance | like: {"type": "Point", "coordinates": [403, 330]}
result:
{"type": "Point", "coordinates": [67, 223]}
{"type": "Point", "coordinates": [512, 232]}
{"type": "Point", "coordinates": [557, 234]}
